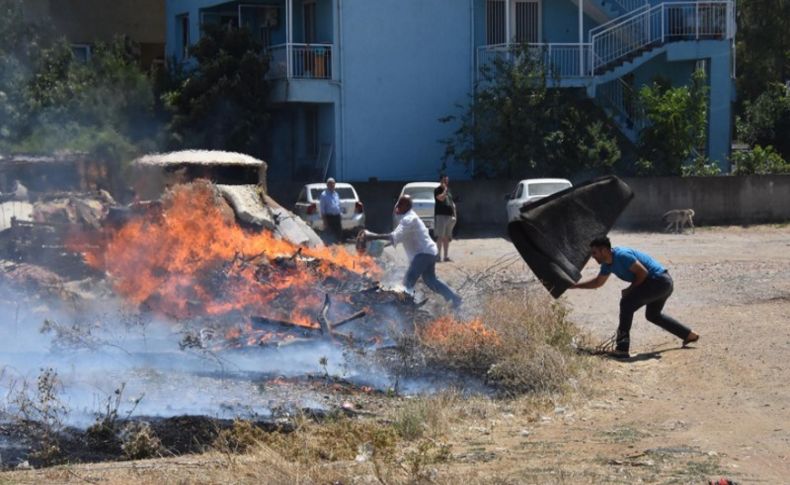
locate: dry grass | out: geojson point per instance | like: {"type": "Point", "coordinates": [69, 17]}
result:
{"type": "Point", "coordinates": [520, 344]}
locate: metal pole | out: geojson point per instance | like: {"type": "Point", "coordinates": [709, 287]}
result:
{"type": "Point", "coordinates": [289, 6]}
{"type": "Point", "coordinates": [507, 21]}
{"type": "Point", "coordinates": [696, 20]}
{"type": "Point", "coordinates": [581, 37]}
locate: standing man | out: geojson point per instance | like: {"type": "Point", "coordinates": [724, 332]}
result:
{"type": "Point", "coordinates": [420, 249]}
{"type": "Point", "coordinates": [651, 286]}
{"type": "Point", "coordinates": [444, 216]}
{"type": "Point", "coordinates": [329, 207]}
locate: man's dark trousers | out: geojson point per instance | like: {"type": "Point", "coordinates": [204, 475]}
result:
{"type": "Point", "coordinates": [653, 292]}
{"type": "Point", "coordinates": [333, 228]}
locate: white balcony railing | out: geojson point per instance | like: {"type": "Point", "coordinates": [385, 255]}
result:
{"type": "Point", "coordinates": [560, 59]}
{"type": "Point", "coordinates": [300, 61]}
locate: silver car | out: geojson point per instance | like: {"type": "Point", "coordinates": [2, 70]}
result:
{"type": "Point", "coordinates": [423, 202]}
{"type": "Point", "coordinates": [353, 211]}
{"type": "Point", "coordinates": [530, 190]}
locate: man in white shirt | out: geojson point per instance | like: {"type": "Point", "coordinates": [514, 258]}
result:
{"type": "Point", "coordinates": [330, 210]}
{"type": "Point", "coordinates": [420, 249]}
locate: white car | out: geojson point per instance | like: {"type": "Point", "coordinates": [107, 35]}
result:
{"type": "Point", "coordinates": [530, 190]}
{"type": "Point", "coordinates": [422, 199]}
{"type": "Point", "coordinates": [353, 211]}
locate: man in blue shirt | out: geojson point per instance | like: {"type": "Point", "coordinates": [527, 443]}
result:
{"type": "Point", "coordinates": [651, 286]}
{"type": "Point", "coordinates": [329, 207]}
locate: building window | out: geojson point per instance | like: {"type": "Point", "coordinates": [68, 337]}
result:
{"type": "Point", "coordinates": [495, 22]}
{"type": "Point", "coordinates": [526, 21]}
{"type": "Point", "coordinates": [309, 22]}
{"type": "Point", "coordinates": [81, 52]}
{"type": "Point", "coordinates": [182, 32]}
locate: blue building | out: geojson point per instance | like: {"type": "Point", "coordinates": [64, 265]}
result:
{"type": "Point", "coordinates": [359, 85]}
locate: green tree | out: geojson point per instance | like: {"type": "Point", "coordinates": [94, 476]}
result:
{"type": "Point", "coordinates": [766, 120]}
{"type": "Point", "coordinates": [515, 126]}
{"type": "Point", "coordinates": [677, 125]}
{"type": "Point", "coordinates": [104, 106]}
{"type": "Point", "coordinates": [223, 102]}
{"type": "Point", "coordinates": [763, 45]}
{"type": "Point", "coordinates": [19, 43]}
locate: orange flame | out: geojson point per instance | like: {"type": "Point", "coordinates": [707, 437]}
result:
{"type": "Point", "coordinates": [195, 259]}
{"type": "Point", "coordinates": [447, 333]}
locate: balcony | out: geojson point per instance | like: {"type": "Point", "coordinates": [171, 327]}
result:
{"type": "Point", "coordinates": [562, 60]}
{"type": "Point", "coordinates": [300, 61]}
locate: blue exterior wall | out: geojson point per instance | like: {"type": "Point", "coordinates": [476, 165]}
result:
{"type": "Point", "coordinates": [400, 65]}
{"type": "Point", "coordinates": [405, 64]}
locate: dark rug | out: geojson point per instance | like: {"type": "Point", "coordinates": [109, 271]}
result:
{"type": "Point", "coordinates": [554, 233]}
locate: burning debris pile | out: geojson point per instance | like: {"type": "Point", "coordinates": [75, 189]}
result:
{"type": "Point", "coordinates": [190, 261]}
{"type": "Point", "coordinates": [186, 258]}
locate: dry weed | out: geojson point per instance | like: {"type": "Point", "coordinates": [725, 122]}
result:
{"type": "Point", "coordinates": [520, 343]}
{"type": "Point", "coordinates": [426, 416]}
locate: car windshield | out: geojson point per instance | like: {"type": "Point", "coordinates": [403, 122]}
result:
{"type": "Point", "coordinates": [547, 188]}
{"type": "Point", "coordinates": [345, 193]}
{"type": "Point", "coordinates": [422, 193]}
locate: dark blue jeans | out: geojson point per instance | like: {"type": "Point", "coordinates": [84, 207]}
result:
{"type": "Point", "coordinates": [425, 265]}
{"type": "Point", "coordinates": [652, 293]}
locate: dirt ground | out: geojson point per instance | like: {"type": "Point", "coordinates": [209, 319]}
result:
{"type": "Point", "coordinates": [668, 415]}
{"type": "Point", "coordinates": [719, 409]}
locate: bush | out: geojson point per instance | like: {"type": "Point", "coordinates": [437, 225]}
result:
{"type": "Point", "coordinates": [138, 441]}
{"type": "Point", "coordinates": [759, 161]}
{"type": "Point", "coordinates": [701, 167]}
{"type": "Point", "coordinates": [766, 120]}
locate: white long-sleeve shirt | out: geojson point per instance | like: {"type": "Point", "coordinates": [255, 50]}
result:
{"type": "Point", "coordinates": [412, 233]}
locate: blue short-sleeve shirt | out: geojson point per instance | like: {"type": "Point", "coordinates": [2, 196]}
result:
{"type": "Point", "coordinates": [622, 260]}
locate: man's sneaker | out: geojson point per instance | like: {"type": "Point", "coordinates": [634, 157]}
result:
{"type": "Point", "coordinates": [447, 260]}
{"type": "Point", "coordinates": [690, 339]}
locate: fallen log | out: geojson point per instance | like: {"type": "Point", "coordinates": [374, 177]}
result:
{"type": "Point", "coordinates": [346, 320]}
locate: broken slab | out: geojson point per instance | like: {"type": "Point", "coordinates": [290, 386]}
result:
{"type": "Point", "coordinates": [247, 204]}
{"type": "Point", "coordinates": [290, 227]}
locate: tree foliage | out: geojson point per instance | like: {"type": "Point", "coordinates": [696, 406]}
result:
{"type": "Point", "coordinates": [763, 45]}
{"type": "Point", "coordinates": [766, 120]}
{"type": "Point", "coordinates": [222, 103]}
{"type": "Point", "coordinates": [515, 126]}
{"type": "Point", "coordinates": [759, 161]}
{"type": "Point", "coordinates": [19, 41]}
{"type": "Point", "coordinates": [677, 125]}
{"type": "Point", "coordinates": [53, 101]}
{"type": "Point", "coordinates": [104, 106]}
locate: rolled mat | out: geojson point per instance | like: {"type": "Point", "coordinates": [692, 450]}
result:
{"type": "Point", "coordinates": [553, 234]}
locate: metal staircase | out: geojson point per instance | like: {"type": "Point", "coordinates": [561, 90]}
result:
{"type": "Point", "coordinates": [639, 33]}
{"type": "Point", "coordinates": [621, 45]}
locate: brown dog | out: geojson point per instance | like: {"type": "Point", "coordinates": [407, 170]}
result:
{"type": "Point", "coordinates": [679, 218]}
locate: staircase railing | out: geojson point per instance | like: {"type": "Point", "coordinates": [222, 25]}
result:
{"type": "Point", "coordinates": [630, 5]}
{"type": "Point", "coordinates": [623, 100]}
{"type": "Point", "coordinates": [645, 28]}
